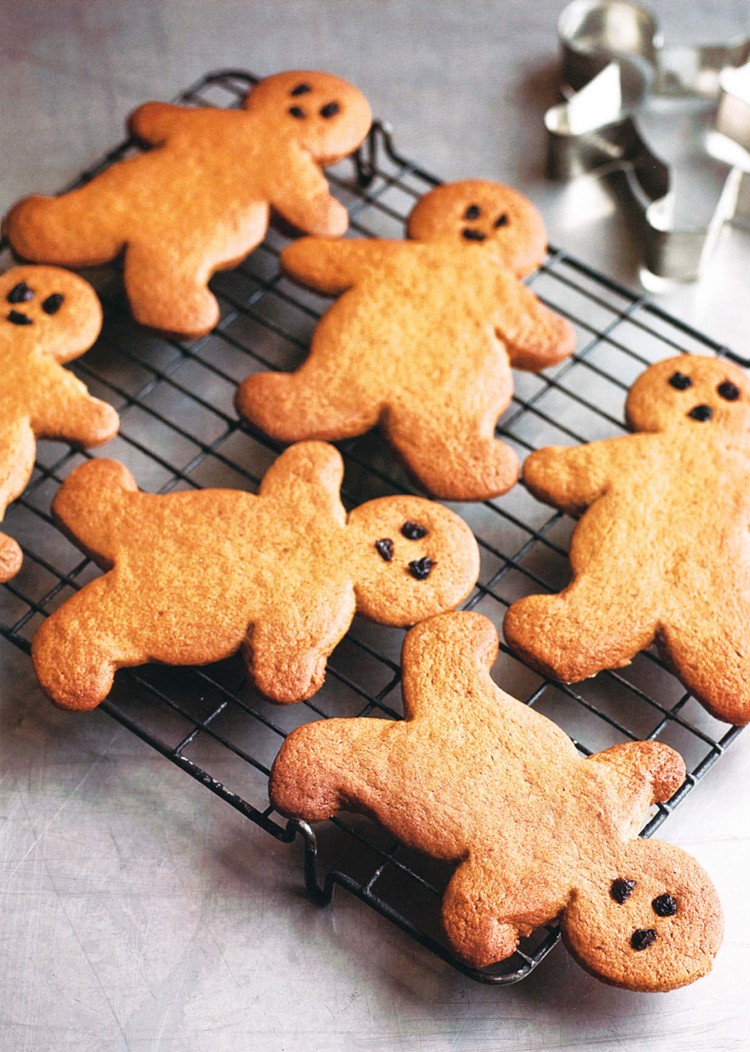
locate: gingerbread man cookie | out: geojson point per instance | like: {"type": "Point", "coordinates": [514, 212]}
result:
{"type": "Point", "coordinates": [199, 200]}
{"type": "Point", "coordinates": [196, 576]}
{"type": "Point", "coordinates": [50, 317]}
{"type": "Point", "coordinates": [475, 777]}
{"type": "Point", "coordinates": [663, 552]}
{"type": "Point", "coordinates": [422, 339]}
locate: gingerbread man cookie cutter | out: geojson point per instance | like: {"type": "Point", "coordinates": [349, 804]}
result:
{"type": "Point", "coordinates": [614, 61]}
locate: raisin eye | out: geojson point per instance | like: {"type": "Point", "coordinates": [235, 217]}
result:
{"type": "Point", "coordinates": [329, 110]}
{"type": "Point", "coordinates": [472, 212]}
{"type": "Point", "coordinates": [680, 382]}
{"type": "Point", "coordinates": [701, 413]}
{"type": "Point", "coordinates": [728, 390]}
{"type": "Point", "coordinates": [384, 549]}
{"type": "Point", "coordinates": [501, 220]}
{"type": "Point", "coordinates": [413, 531]}
{"type": "Point", "coordinates": [621, 889]}
{"type": "Point", "coordinates": [473, 235]}
{"type": "Point", "coordinates": [20, 293]}
{"type": "Point", "coordinates": [297, 111]}
{"type": "Point", "coordinates": [53, 303]}
{"type": "Point", "coordinates": [420, 568]}
{"type": "Point", "coordinates": [664, 905]}
{"type": "Point", "coordinates": [301, 89]}
{"type": "Point", "coordinates": [642, 938]}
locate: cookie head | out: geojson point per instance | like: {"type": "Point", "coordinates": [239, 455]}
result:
{"type": "Point", "coordinates": [326, 115]}
{"type": "Point", "coordinates": [652, 922]}
{"type": "Point", "coordinates": [692, 391]}
{"type": "Point", "coordinates": [412, 558]}
{"type": "Point", "coordinates": [48, 309]}
{"type": "Point", "coordinates": [489, 217]}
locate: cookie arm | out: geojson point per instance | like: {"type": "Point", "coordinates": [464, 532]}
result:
{"type": "Point", "coordinates": [154, 122]}
{"type": "Point", "coordinates": [571, 478]}
{"type": "Point", "coordinates": [534, 335]}
{"type": "Point", "coordinates": [334, 266]}
{"type": "Point", "coordinates": [644, 773]}
{"type": "Point", "coordinates": [300, 193]}
{"type": "Point", "coordinates": [287, 655]}
{"type": "Point", "coordinates": [316, 466]}
{"type": "Point", "coordinates": [63, 408]}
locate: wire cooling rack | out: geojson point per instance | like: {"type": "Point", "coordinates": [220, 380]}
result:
{"type": "Point", "coordinates": [179, 430]}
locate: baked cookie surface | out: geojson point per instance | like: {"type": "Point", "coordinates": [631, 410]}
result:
{"type": "Point", "coordinates": [199, 200]}
{"type": "Point", "coordinates": [196, 576]}
{"type": "Point", "coordinates": [422, 338]}
{"type": "Point", "coordinates": [663, 552]}
{"type": "Point", "coordinates": [475, 777]}
{"type": "Point", "coordinates": [48, 317]}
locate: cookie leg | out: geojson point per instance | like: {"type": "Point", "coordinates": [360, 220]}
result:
{"type": "Point", "coordinates": [576, 634]}
{"type": "Point", "coordinates": [80, 646]}
{"type": "Point", "coordinates": [317, 772]}
{"type": "Point", "coordinates": [454, 459]}
{"type": "Point", "coordinates": [65, 230]}
{"type": "Point", "coordinates": [470, 917]}
{"type": "Point", "coordinates": [295, 406]}
{"type": "Point", "coordinates": [166, 293]}
{"type": "Point", "coordinates": [711, 655]}
{"type": "Point", "coordinates": [17, 450]}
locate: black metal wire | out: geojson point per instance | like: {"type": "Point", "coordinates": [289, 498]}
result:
{"type": "Point", "coordinates": [179, 429]}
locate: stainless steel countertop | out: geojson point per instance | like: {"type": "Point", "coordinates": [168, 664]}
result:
{"type": "Point", "coordinates": [141, 913]}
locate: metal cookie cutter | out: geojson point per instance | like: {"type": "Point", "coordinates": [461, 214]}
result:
{"type": "Point", "coordinates": [623, 89]}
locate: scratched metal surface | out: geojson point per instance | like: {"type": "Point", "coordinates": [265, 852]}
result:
{"type": "Point", "coordinates": [139, 912]}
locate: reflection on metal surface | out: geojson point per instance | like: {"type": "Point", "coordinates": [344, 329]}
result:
{"type": "Point", "coordinates": [623, 90]}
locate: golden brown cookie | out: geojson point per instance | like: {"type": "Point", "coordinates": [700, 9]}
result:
{"type": "Point", "coordinates": [48, 317]}
{"type": "Point", "coordinates": [422, 339]}
{"type": "Point", "coordinates": [663, 552]}
{"type": "Point", "coordinates": [475, 777]}
{"type": "Point", "coordinates": [199, 200]}
{"type": "Point", "coordinates": [196, 576]}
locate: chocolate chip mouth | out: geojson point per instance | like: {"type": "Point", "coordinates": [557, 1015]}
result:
{"type": "Point", "coordinates": [664, 905]}
{"type": "Point", "coordinates": [301, 89]}
{"type": "Point", "coordinates": [421, 568]}
{"type": "Point", "coordinates": [473, 235]}
{"type": "Point", "coordinates": [17, 317]}
{"type": "Point", "coordinates": [384, 548]}
{"type": "Point", "coordinates": [642, 938]}
{"type": "Point", "coordinates": [701, 413]}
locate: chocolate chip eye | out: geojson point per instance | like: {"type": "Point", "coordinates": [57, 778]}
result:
{"type": "Point", "coordinates": [501, 220]}
{"type": "Point", "coordinates": [301, 89]}
{"type": "Point", "coordinates": [420, 568]}
{"type": "Point", "coordinates": [385, 549]}
{"type": "Point", "coordinates": [413, 531]}
{"type": "Point", "coordinates": [728, 390]}
{"type": "Point", "coordinates": [329, 110]}
{"type": "Point", "coordinates": [473, 235]}
{"type": "Point", "coordinates": [701, 413]}
{"type": "Point", "coordinates": [18, 318]}
{"type": "Point", "coordinates": [679, 381]}
{"type": "Point", "coordinates": [297, 111]}
{"type": "Point", "coordinates": [472, 212]}
{"type": "Point", "coordinates": [621, 889]}
{"type": "Point", "coordinates": [642, 938]}
{"type": "Point", "coordinates": [53, 303]}
{"type": "Point", "coordinates": [664, 905]}
{"type": "Point", "coordinates": [20, 293]}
